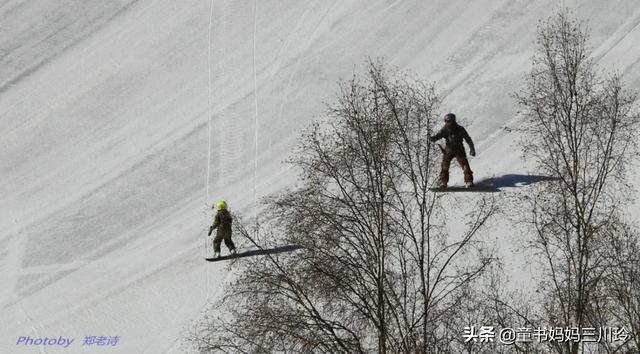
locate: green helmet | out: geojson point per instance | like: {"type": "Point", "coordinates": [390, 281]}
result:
{"type": "Point", "coordinates": [221, 204]}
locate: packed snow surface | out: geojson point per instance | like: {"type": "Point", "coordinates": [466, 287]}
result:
{"type": "Point", "coordinates": [104, 111]}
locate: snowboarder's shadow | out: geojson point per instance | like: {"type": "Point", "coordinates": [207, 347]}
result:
{"type": "Point", "coordinates": [259, 252]}
{"type": "Point", "coordinates": [513, 180]}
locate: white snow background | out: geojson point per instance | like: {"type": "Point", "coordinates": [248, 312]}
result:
{"type": "Point", "coordinates": [104, 111]}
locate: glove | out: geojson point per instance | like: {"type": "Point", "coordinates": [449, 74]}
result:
{"type": "Point", "coordinates": [210, 231]}
{"type": "Point", "coordinates": [472, 152]}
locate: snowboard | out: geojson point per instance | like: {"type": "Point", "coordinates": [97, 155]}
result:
{"type": "Point", "coordinates": [474, 189]}
{"type": "Point", "coordinates": [222, 258]}
{"type": "Point", "coordinates": [256, 252]}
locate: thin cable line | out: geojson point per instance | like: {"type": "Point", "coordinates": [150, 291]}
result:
{"type": "Point", "coordinates": [255, 99]}
{"type": "Point", "coordinates": [209, 116]}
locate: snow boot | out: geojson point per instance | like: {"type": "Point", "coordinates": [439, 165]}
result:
{"type": "Point", "coordinates": [468, 184]}
{"type": "Point", "coordinates": [216, 255]}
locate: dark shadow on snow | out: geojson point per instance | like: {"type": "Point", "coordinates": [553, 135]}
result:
{"type": "Point", "coordinates": [477, 188]}
{"type": "Point", "coordinates": [512, 180]}
{"type": "Point", "coordinates": [258, 252]}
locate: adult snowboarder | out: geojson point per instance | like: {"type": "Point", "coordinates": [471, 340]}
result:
{"type": "Point", "coordinates": [222, 223]}
{"type": "Point", "coordinates": [454, 134]}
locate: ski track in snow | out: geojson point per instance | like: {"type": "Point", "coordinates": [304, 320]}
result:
{"type": "Point", "coordinates": [105, 219]}
{"type": "Point", "coordinates": [296, 64]}
{"type": "Point", "coordinates": [625, 29]}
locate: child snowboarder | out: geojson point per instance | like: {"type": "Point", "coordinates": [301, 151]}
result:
{"type": "Point", "coordinates": [454, 134]}
{"type": "Point", "coordinates": [222, 223]}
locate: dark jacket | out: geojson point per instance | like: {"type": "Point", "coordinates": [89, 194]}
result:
{"type": "Point", "coordinates": [454, 137]}
{"type": "Point", "coordinates": [222, 223]}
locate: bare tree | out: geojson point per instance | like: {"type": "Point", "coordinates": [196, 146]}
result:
{"type": "Point", "coordinates": [617, 300]}
{"type": "Point", "coordinates": [378, 270]}
{"type": "Point", "coordinates": [580, 127]}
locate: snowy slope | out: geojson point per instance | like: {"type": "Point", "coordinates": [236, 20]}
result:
{"type": "Point", "coordinates": [103, 133]}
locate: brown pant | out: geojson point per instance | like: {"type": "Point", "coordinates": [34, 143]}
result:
{"type": "Point", "coordinates": [446, 162]}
